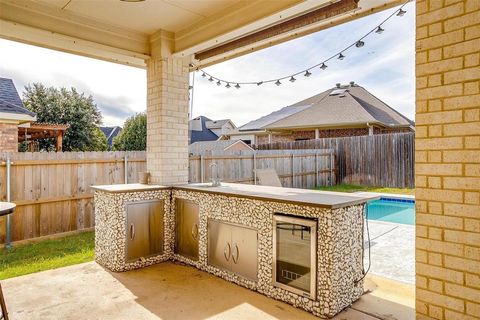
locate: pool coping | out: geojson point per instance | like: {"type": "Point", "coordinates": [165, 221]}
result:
{"type": "Point", "coordinates": [387, 195]}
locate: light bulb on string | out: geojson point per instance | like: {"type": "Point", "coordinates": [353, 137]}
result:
{"type": "Point", "coordinates": [259, 83]}
{"type": "Point", "coordinates": [341, 56]}
{"type": "Point", "coordinates": [204, 74]}
{"type": "Point", "coordinates": [401, 12]}
{"type": "Point", "coordinates": [323, 66]}
{"type": "Point", "coordinates": [278, 83]}
{"type": "Point", "coordinates": [228, 85]}
{"type": "Point", "coordinates": [292, 79]}
{"type": "Point", "coordinates": [237, 86]}
{"type": "Point", "coordinates": [218, 83]}
{"type": "Point", "coordinates": [359, 44]}
{"type": "Point", "coordinates": [379, 30]}
{"type": "Point", "coordinates": [210, 79]}
{"type": "Point", "coordinates": [307, 74]}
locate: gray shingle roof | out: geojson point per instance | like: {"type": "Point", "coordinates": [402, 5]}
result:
{"type": "Point", "coordinates": [10, 101]}
{"type": "Point", "coordinates": [354, 106]}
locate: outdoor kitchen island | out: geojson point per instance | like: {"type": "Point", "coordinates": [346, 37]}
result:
{"type": "Point", "coordinates": [303, 247]}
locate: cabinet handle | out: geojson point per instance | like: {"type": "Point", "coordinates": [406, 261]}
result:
{"type": "Point", "coordinates": [227, 257]}
{"type": "Point", "coordinates": [235, 256]}
{"type": "Point", "coordinates": [194, 231]}
{"type": "Point", "coordinates": [132, 231]}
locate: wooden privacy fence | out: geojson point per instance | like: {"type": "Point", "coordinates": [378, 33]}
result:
{"type": "Point", "coordinates": [380, 160]}
{"type": "Point", "coordinates": [296, 168]}
{"type": "Point", "coordinates": [52, 190]}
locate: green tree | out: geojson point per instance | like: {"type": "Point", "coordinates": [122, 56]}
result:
{"type": "Point", "coordinates": [133, 135]}
{"type": "Point", "coordinates": [63, 106]}
{"type": "Point", "coordinates": [99, 142]}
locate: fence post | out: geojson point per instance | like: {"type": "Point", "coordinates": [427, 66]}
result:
{"type": "Point", "coordinates": [201, 169]}
{"type": "Point", "coordinates": [316, 169]}
{"type": "Point", "coordinates": [293, 170]}
{"type": "Point", "coordinates": [331, 168]}
{"type": "Point", "coordinates": [255, 168]}
{"type": "Point", "coordinates": [8, 236]}
{"type": "Point", "coordinates": [125, 164]}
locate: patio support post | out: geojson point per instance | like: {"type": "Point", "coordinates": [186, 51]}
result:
{"type": "Point", "coordinates": [167, 112]}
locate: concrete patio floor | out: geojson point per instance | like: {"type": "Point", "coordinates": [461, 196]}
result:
{"type": "Point", "coordinates": [174, 291]}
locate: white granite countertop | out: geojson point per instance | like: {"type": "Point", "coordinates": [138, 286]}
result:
{"type": "Point", "coordinates": [130, 187]}
{"type": "Point", "coordinates": [324, 199]}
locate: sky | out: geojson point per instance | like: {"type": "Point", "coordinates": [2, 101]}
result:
{"type": "Point", "coordinates": [384, 66]}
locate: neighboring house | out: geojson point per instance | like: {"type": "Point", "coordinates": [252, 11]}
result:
{"type": "Point", "coordinates": [217, 147]}
{"type": "Point", "coordinates": [204, 129]}
{"type": "Point", "coordinates": [348, 110]}
{"type": "Point", "coordinates": [111, 133]}
{"type": "Point", "coordinates": [13, 115]}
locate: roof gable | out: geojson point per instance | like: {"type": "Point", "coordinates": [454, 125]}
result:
{"type": "Point", "coordinates": [346, 106]}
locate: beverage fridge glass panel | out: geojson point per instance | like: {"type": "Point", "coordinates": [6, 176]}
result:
{"type": "Point", "coordinates": [295, 255]}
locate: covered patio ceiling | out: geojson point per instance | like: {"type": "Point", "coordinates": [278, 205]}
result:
{"type": "Point", "coordinates": [209, 30]}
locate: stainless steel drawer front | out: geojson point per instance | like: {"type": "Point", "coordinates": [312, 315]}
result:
{"type": "Point", "coordinates": [144, 229]}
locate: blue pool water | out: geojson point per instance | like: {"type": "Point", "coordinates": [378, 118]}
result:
{"type": "Point", "coordinates": [392, 210]}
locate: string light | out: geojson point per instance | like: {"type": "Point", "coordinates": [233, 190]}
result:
{"type": "Point", "coordinates": [322, 65]}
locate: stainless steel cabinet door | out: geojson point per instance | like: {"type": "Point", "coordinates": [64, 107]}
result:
{"type": "Point", "coordinates": [144, 229]}
{"type": "Point", "coordinates": [244, 252]}
{"type": "Point", "coordinates": [219, 244]}
{"type": "Point", "coordinates": [186, 228]}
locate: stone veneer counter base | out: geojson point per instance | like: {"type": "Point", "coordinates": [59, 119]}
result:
{"type": "Point", "coordinates": [339, 235]}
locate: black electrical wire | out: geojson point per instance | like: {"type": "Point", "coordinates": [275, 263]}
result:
{"type": "Point", "coordinates": [363, 246]}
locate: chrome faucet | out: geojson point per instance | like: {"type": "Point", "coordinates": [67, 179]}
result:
{"type": "Point", "coordinates": [215, 179]}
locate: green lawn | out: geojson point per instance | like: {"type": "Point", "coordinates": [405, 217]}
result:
{"type": "Point", "coordinates": [354, 188]}
{"type": "Point", "coordinates": [47, 254]}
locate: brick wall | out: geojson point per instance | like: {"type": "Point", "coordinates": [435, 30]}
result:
{"type": "Point", "coordinates": [332, 133]}
{"type": "Point", "coordinates": [167, 120]}
{"type": "Point", "coordinates": [448, 159]}
{"type": "Point", "coordinates": [8, 137]}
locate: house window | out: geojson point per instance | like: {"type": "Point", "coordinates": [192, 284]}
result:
{"type": "Point", "coordinates": [249, 142]}
{"type": "Point", "coordinates": [301, 139]}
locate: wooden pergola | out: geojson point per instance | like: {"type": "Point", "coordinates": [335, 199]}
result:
{"type": "Point", "coordinates": [38, 131]}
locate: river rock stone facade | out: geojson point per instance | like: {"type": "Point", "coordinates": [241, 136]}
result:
{"type": "Point", "coordinates": [339, 242]}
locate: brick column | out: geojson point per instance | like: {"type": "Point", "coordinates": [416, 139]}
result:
{"type": "Point", "coordinates": [448, 159]}
{"type": "Point", "coordinates": [8, 137]}
{"type": "Point", "coordinates": [167, 120]}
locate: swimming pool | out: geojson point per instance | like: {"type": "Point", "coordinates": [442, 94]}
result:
{"type": "Point", "coordinates": [392, 210]}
